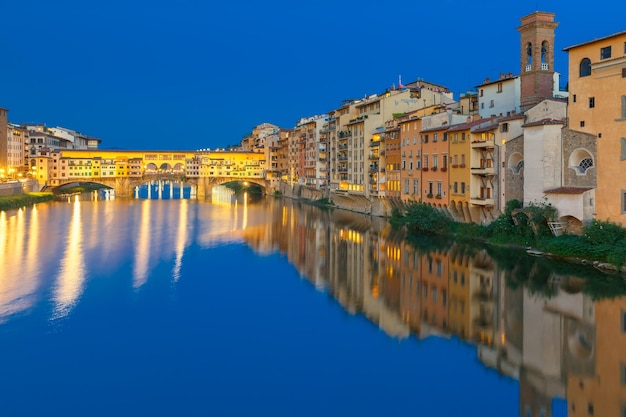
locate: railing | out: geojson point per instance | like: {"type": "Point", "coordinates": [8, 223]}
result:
{"type": "Point", "coordinates": [477, 201]}
{"type": "Point", "coordinates": [484, 171]}
{"type": "Point", "coordinates": [483, 144]}
{"type": "Point", "coordinates": [544, 66]}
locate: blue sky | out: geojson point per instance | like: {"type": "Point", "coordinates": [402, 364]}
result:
{"type": "Point", "coordinates": [191, 74]}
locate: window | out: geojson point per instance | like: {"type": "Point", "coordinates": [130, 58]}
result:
{"type": "Point", "coordinates": [445, 136]}
{"type": "Point", "coordinates": [574, 98]}
{"type": "Point", "coordinates": [410, 165]}
{"type": "Point", "coordinates": [439, 188]}
{"type": "Point", "coordinates": [435, 137]}
{"type": "Point", "coordinates": [456, 187]}
{"type": "Point", "coordinates": [504, 127]}
{"type": "Point", "coordinates": [499, 87]}
{"type": "Point", "coordinates": [585, 164]}
{"type": "Point", "coordinates": [482, 105]}
{"type": "Point", "coordinates": [462, 188]}
{"type": "Point", "coordinates": [404, 164]}
{"type": "Point", "coordinates": [491, 104]}
{"type": "Point", "coordinates": [435, 160]}
{"type": "Point", "coordinates": [582, 123]}
{"type": "Point", "coordinates": [623, 374]}
{"type": "Point", "coordinates": [481, 92]}
{"type": "Point", "coordinates": [463, 137]}
{"type": "Point", "coordinates": [406, 186]}
{"type": "Point", "coordinates": [585, 67]}
{"type": "Point", "coordinates": [592, 102]}
{"type": "Point", "coordinates": [425, 137]}
{"type": "Point", "coordinates": [590, 409]}
{"type": "Point", "coordinates": [605, 53]}
{"type": "Point", "coordinates": [415, 186]}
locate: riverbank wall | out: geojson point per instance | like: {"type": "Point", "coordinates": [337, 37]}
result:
{"type": "Point", "coordinates": [373, 206]}
{"type": "Point", "coordinates": [18, 187]}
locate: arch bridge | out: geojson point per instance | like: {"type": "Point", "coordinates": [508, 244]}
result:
{"type": "Point", "coordinates": [124, 170]}
{"type": "Point", "coordinates": [125, 186]}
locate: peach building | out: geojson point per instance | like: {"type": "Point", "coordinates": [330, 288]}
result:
{"type": "Point", "coordinates": [597, 106]}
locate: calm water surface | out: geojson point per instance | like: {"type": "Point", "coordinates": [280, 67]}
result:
{"type": "Point", "coordinates": [188, 308]}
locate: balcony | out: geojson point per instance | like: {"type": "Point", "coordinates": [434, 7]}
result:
{"type": "Point", "coordinates": [373, 156]}
{"type": "Point", "coordinates": [484, 171]}
{"type": "Point", "coordinates": [373, 169]}
{"type": "Point", "coordinates": [483, 202]}
{"type": "Point", "coordinates": [477, 144]}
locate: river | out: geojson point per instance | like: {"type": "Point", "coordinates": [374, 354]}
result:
{"type": "Point", "coordinates": [269, 307]}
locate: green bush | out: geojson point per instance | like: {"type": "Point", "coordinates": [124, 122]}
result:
{"type": "Point", "coordinates": [598, 232]}
{"type": "Point", "coordinates": [422, 218]}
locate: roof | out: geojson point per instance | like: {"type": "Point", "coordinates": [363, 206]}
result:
{"type": "Point", "coordinates": [596, 40]}
{"type": "Point", "coordinates": [569, 190]}
{"type": "Point", "coordinates": [436, 129]}
{"type": "Point", "coordinates": [466, 126]}
{"type": "Point", "coordinates": [543, 122]}
{"type": "Point", "coordinates": [503, 78]}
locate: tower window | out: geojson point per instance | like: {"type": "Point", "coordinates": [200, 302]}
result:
{"type": "Point", "coordinates": [585, 67]}
{"type": "Point", "coordinates": [574, 98]}
{"type": "Point", "coordinates": [605, 52]}
{"type": "Point", "coordinates": [544, 51]}
{"type": "Point", "coordinates": [592, 102]}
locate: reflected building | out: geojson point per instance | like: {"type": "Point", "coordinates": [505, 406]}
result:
{"type": "Point", "coordinates": [549, 336]}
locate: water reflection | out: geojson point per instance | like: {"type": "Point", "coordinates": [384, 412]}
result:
{"type": "Point", "coordinates": [534, 321]}
{"type": "Point", "coordinates": [72, 269]}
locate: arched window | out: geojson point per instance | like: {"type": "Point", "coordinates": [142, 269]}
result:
{"type": "Point", "coordinates": [529, 53]}
{"type": "Point", "coordinates": [544, 52]}
{"type": "Point", "coordinates": [585, 164]}
{"type": "Point", "coordinates": [581, 161]}
{"type": "Point", "coordinates": [516, 162]}
{"type": "Point", "coordinates": [585, 67]}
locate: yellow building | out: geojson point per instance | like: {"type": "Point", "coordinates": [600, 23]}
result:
{"type": "Point", "coordinates": [604, 392]}
{"type": "Point", "coordinates": [460, 176]}
{"type": "Point", "coordinates": [597, 105]}
{"type": "Point", "coordinates": [59, 167]}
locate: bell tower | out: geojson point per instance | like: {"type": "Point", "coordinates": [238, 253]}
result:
{"type": "Point", "coordinates": [536, 58]}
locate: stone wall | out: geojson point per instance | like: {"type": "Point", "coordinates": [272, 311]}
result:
{"type": "Point", "coordinates": [514, 182]}
{"type": "Point", "coordinates": [11, 188]}
{"type": "Point", "coordinates": [578, 143]}
{"type": "Point", "coordinates": [381, 207]}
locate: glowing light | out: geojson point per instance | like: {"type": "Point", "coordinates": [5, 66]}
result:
{"type": "Point", "coordinates": [142, 255]}
{"type": "Point", "coordinates": [72, 271]}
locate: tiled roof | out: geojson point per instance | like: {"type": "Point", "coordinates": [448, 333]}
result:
{"type": "Point", "coordinates": [568, 190]}
{"type": "Point", "coordinates": [596, 40]}
{"type": "Point", "coordinates": [545, 122]}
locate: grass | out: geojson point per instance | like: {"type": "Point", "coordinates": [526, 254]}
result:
{"type": "Point", "coordinates": [21, 200]}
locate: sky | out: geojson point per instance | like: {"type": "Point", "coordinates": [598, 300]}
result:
{"type": "Point", "coordinates": [191, 74]}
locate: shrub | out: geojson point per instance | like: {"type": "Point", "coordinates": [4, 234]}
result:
{"type": "Point", "coordinates": [424, 218]}
{"type": "Point", "coordinates": [598, 232]}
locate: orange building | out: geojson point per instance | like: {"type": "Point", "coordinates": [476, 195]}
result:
{"type": "Point", "coordinates": [597, 105]}
{"type": "Point", "coordinates": [435, 166]}
{"type": "Point", "coordinates": [411, 165]}
{"type": "Point", "coordinates": [603, 393]}
{"type": "Point", "coordinates": [434, 291]}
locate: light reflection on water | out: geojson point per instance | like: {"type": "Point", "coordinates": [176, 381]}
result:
{"type": "Point", "coordinates": [529, 320]}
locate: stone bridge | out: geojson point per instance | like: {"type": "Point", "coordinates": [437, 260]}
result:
{"type": "Point", "coordinates": [125, 186]}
